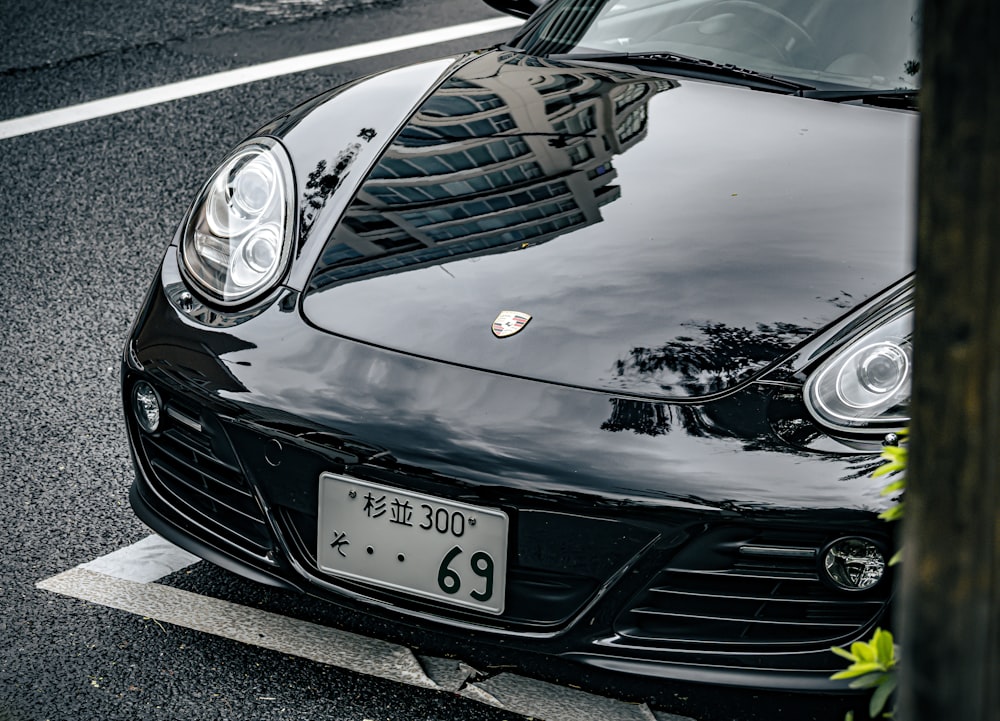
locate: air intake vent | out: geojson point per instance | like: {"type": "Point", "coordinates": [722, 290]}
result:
{"type": "Point", "coordinates": [737, 588]}
{"type": "Point", "coordinates": [205, 484]}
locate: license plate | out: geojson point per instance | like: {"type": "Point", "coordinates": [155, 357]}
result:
{"type": "Point", "coordinates": [427, 546]}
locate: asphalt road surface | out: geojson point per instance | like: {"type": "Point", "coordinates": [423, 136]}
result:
{"type": "Point", "coordinates": [86, 210]}
{"type": "Point", "coordinates": [85, 213]}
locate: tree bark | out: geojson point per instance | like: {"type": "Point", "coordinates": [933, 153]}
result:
{"type": "Point", "coordinates": [950, 608]}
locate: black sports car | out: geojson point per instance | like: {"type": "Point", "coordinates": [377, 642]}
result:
{"type": "Point", "coordinates": [587, 343]}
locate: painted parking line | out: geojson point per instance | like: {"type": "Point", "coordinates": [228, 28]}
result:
{"type": "Point", "coordinates": [242, 76]}
{"type": "Point", "coordinates": [148, 560]}
{"type": "Point", "coordinates": [125, 579]}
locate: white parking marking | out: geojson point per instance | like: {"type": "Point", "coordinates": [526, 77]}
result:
{"type": "Point", "coordinates": [219, 81]}
{"type": "Point", "coordinates": [123, 580]}
{"type": "Point", "coordinates": [150, 559]}
{"type": "Point", "coordinates": [244, 624]}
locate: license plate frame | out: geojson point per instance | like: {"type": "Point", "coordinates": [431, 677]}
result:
{"type": "Point", "coordinates": [435, 548]}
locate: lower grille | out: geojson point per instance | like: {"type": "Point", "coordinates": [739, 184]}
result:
{"type": "Point", "coordinates": [751, 591]}
{"type": "Point", "coordinates": [541, 593]}
{"type": "Point", "coordinates": [189, 467]}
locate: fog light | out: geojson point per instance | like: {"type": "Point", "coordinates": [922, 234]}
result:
{"type": "Point", "coordinates": [853, 564]}
{"type": "Point", "coordinates": [146, 404]}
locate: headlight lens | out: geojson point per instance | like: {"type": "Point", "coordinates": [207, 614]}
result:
{"type": "Point", "coordinates": [237, 242]}
{"type": "Point", "coordinates": [866, 385]}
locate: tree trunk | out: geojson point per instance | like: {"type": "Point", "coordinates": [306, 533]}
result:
{"type": "Point", "coordinates": [950, 609]}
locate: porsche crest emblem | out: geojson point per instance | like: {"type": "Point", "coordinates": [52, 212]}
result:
{"type": "Point", "coordinates": [509, 322]}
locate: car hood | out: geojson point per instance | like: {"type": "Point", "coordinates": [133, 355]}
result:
{"type": "Point", "coordinates": [668, 237]}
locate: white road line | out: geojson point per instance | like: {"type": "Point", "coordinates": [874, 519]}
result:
{"type": "Point", "coordinates": [122, 580]}
{"type": "Point", "coordinates": [244, 624]}
{"type": "Point", "coordinates": [150, 559]}
{"type": "Point", "coordinates": [219, 81]}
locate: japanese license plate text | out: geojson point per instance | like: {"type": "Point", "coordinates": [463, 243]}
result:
{"type": "Point", "coordinates": [431, 547]}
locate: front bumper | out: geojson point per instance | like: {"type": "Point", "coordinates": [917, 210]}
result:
{"type": "Point", "coordinates": [629, 533]}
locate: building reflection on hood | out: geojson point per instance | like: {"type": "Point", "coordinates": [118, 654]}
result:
{"type": "Point", "coordinates": [491, 163]}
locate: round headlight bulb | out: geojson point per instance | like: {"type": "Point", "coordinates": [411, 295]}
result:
{"type": "Point", "coordinates": [873, 375]}
{"type": "Point", "coordinates": [146, 406]}
{"type": "Point", "coordinates": [260, 251]}
{"type": "Point", "coordinates": [252, 187]}
{"type": "Point", "coordinates": [883, 368]}
{"type": "Point", "coordinates": [853, 564]}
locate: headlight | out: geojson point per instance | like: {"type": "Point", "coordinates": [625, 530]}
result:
{"type": "Point", "coordinates": [866, 384]}
{"type": "Point", "coordinates": [238, 238]}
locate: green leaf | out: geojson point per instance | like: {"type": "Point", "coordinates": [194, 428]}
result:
{"type": "Point", "coordinates": [859, 669]}
{"type": "Point", "coordinates": [843, 653]}
{"type": "Point", "coordinates": [897, 557]}
{"type": "Point", "coordinates": [869, 680]}
{"type": "Point", "coordinates": [881, 695]}
{"type": "Point", "coordinates": [884, 652]}
{"type": "Point", "coordinates": [898, 485]}
{"type": "Point", "coordinates": [863, 651]}
{"type": "Point", "coordinates": [892, 514]}
{"type": "Point", "coordinates": [888, 468]}
{"type": "Point", "coordinates": [893, 453]}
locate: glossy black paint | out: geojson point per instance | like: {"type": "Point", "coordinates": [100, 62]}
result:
{"type": "Point", "coordinates": [742, 198]}
{"type": "Point", "coordinates": [550, 456]}
{"type": "Point", "coordinates": [643, 428]}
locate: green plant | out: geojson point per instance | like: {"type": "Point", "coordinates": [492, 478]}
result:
{"type": "Point", "coordinates": [896, 458]}
{"type": "Point", "coordinates": [873, 663]}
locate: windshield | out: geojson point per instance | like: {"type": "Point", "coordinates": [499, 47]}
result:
{"type": "Point", "coordinates": [871, 44]}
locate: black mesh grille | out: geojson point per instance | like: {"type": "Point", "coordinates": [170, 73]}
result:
{"type": "Point", "coordinates": [188, 469]}
{"type": "Point", "coordinates": [737, 588]}
{"type": "Point", "coordinates": [535, 596]}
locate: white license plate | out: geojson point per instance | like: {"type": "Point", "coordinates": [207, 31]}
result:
{"type": "Point", "coordinates": [431, 547]}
